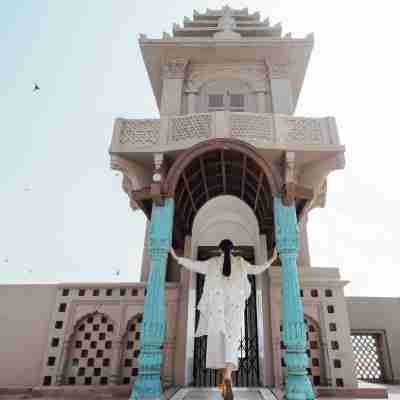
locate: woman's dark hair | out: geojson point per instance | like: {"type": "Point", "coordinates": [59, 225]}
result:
{"type": "Point", "coordinates": [226, 246]}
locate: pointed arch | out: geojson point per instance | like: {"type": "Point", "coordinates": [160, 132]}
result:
{"type": "Point", "coordinates": [129, 367]}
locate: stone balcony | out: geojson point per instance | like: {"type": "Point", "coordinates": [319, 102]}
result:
{"type": "Point", "coordinates": [264, 131]}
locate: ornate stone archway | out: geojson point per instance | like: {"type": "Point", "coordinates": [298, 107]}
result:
{"type": "Point", "coordinates": [221, 167]}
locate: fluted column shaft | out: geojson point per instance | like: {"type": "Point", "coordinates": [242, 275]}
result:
{"type": "Point", "coordinates": [148, 383]}
{"type": "Point", "coordinates": [298, 385]}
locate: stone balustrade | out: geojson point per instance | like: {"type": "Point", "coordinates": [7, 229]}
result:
{"type": "Point", "coordinates": [261, 130]}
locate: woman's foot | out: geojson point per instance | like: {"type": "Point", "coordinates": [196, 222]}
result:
{"type": "Point", "coordinates": [228, 393]}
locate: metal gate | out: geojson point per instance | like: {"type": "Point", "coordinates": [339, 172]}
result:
{"type": "Point", "coordinates": [248, 373]}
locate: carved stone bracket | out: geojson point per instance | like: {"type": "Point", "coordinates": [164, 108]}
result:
{"type": "Point", "coordinates": [291, 189]}
{"type": "Point", "coordinates": [135, 179]}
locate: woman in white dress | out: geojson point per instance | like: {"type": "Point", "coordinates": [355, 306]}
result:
{"type": "Point", "coordinates": [222, 304]}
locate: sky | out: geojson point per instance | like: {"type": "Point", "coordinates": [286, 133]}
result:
{"type": "Point", "coordinates": [63, 214]}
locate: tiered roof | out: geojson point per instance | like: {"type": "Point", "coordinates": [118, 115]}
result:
{"type": "Point", "coordinates": [227, 36]}
{"type": "Point", "coordinates": [224, 22]}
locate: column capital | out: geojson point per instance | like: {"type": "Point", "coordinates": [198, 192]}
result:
{"type": "Point", "coordinates": [175, 68]}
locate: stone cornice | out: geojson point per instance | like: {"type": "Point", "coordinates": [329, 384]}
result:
{"type": "Point", "coordinates": [244, 41]}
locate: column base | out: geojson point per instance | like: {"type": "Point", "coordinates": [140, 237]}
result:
{"type": "Point", "coordinates": [298, 387]}
{"type": "Point", "coordinates": [147, 387]}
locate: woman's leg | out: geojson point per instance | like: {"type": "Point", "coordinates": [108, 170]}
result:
{"type": "Point", "coordinates": [228, 371]}
{"type": "Point", "coordinates": [220, 380]}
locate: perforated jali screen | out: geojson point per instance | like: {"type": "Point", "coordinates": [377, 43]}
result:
{"type": "Point", "coordinates": [367, 356]}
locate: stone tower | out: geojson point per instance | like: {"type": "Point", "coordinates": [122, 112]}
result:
{"type": "Point", "coordinates": [227, 158]}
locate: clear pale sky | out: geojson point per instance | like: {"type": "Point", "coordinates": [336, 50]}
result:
{"type": "Point", "coordinates": [63, 214]}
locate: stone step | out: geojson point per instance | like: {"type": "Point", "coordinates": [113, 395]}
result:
{"type": "Point", "coordinates": [196, 393]}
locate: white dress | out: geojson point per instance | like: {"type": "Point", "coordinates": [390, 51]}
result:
{"type": "Point", "coordinates": [222, 306]}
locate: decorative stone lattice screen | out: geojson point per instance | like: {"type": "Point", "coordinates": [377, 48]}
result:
{"type": "Point", "coordinates": [91, 351]}
{"type": "Point", "coordinates": [367, 356]}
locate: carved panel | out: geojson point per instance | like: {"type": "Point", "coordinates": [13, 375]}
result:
{"type": "Point", "coordinates": [140, 132]}
{"type": "Point", "coordinates": [252, 127]}
{"type": "Point", "coordinates": [190, 127]}
{"type": "Point", "coordinates": [254, 74]}
{"type": "Point", "coordinates": [303, 130]}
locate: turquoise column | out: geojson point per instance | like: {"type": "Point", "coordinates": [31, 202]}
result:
{"type": "Point", "coordinates": [148, 384]}
{"type": "Point", "coordinates": [298, 385]}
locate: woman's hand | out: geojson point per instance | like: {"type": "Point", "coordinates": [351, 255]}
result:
{"type": "Point", "coordinates": [173, 254]}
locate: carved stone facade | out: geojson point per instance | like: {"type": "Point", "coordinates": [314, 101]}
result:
{"type": "Point", "coordinates": [94, 335]}
{"type": "Point", "coordinates": [140, 132]}
{"type": "Point", "coordinates": [252, 128]}
{"type": "Point", "coordinates": [194, 127]}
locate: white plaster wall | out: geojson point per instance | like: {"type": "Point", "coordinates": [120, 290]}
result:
{"type": "Point", "coordinates": [25, 313]}
{"type": "Point", "coordinates": [282, 96]}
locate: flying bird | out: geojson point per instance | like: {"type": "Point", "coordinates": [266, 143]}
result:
{"type": "Point", "coordinates": [6, 260]}
{"type": "Point", "coordinates": [36, 87]}
{"type": "Point", "coordinates": [27, 189]}
{"type": "Point", "coordinates": [116, 272]}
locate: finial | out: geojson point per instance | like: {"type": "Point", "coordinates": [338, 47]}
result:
{"type": "Point", "coordinates": [288, 35]}
{"type": "Point", "coordinates": [142, 36]}
{"type": "Point", "coordinates": [227, 23]}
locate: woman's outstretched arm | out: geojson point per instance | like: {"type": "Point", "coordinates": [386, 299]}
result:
{"type": "Point", "coordinates": [195, 266]}
{"type": "Point", "coordinates": [258, 269]}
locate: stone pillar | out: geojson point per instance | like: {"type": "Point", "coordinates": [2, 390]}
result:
{"type": "Point", "coordinates": [281, 89]}
{"type": "Point", "coordinates": [298, 385]}
{"type": "Point", "coordinates": [173, 76]}
{"type": "Point", "coordinates": [62, 363]}
{"type": "Point", "coordinates": [116, 362]}
{"type": "Point", "coordinates": [191, 101]}
{"type": "Point", "coordinates": [148, 382]}
{"type": "Point", "coordinates": [304, 251]}
{"type": "Point", "coordinates": [261, 104]}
